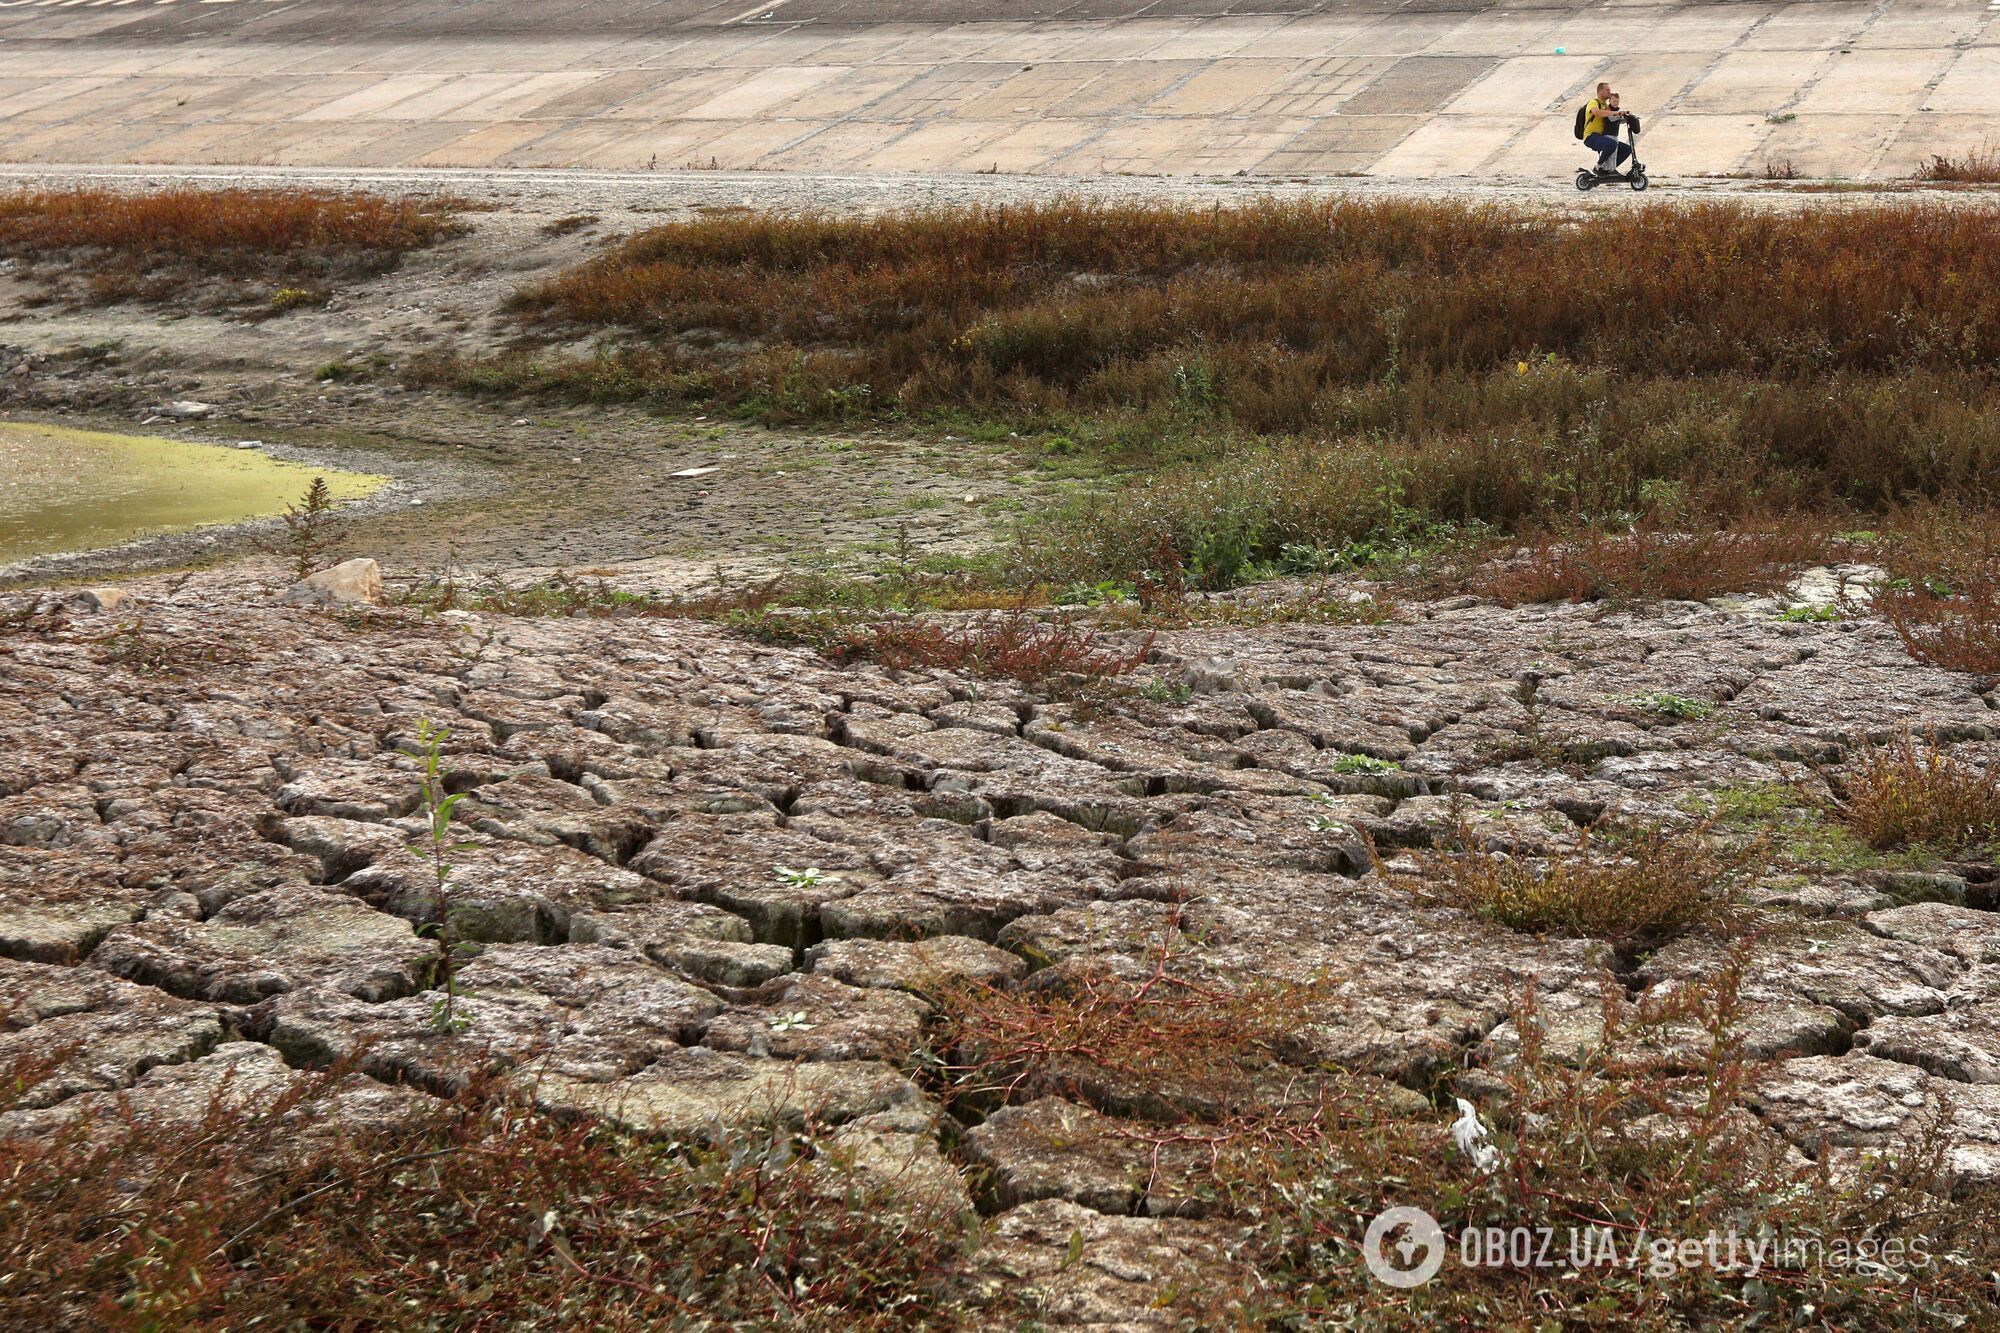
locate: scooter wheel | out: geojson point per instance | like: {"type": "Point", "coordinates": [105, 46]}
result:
{"type": "Point", "coordinates": [1585, 180]}
{"type": "Point", "coordinates": [1639, 181]}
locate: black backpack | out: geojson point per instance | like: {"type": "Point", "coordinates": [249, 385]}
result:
{"type": "Point", "coordinates": [1582, 114]}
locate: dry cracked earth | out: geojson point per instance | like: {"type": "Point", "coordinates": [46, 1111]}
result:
{"type": "Point", "coordinates": [208, 805]}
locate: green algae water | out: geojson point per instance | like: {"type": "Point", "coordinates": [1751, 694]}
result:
{"type": "Point", "coordinates": [80, 490]}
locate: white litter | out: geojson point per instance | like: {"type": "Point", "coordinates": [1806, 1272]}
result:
{"type": "Point", "coordinates": [694, 471]}
{"type": "Point", "coordinates": [1470, 1136]}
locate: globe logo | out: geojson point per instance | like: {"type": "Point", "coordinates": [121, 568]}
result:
{"type": "Point", "coordinates": [1403, 1247]}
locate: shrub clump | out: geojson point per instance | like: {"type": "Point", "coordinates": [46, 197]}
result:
{"type": "Point", "coordinates": [459, 1214]}
{"type": "Point", "coordinates": [1652, 562]}
{"type": "Point", "coordinates": [1904, 794]}
{"type": "Point", "coordinates": [1942, 596]}
{"type": "Point", "coordinates": [101, 245]}
{"type": "Point", "coordinates": [1635, 892]}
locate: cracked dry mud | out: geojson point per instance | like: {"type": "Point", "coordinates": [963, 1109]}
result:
{"type": "Point", "coordinates": [207, 877]}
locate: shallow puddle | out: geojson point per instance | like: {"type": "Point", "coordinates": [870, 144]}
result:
{"type": "Point", "coordinates": [79, 490]}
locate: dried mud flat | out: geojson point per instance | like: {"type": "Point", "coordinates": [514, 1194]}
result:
{"type": "Point", "coordinates": [206, 821]}
{"type": "Point", "coordinates": [717, 882]}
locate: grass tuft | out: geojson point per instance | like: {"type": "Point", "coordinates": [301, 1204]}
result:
{"type": "Point", "coordinates": [459, 1214]}
{"type": "Point", "coordinates": [1943, 593]}
{"type": "Point", "coordinates": [1904, 794]}
{"type": "Point", "coordinates": [1652, 563]}
{"type": "Point", "coordinates": [1635, 892]}
{"type": "Point", "coordinates": [91, 245]}
{"type": "Point", "coordinates": [1978, 166]}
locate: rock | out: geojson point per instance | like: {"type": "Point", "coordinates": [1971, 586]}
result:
{"type": "Point", "coordinates": [920, 965]}
{"type": "Point", "coordinates": [98, 600]}
{"type": "Point", "coordinates": [584, 1010]}
{"type": "Point", "coordinates": [349, 583]}
{"type": "Point", "coordinates": [242, 1077]}
{"type": "Point", "coordinates": [1053, 1149]}
{"type": "Point", "coordinates": [55, 908]}
{"type": "Point", "coordinates": [74, 1030]}
{"type": "Point", "coordinates": [906, 1168]}
{"type": "Point", "coordinates": [269, 943]}
{"type": "Point", "coordinates": [807, 1017]}
{"type": "Point", "coordinates": [185, 409]}
{"type": "Point", "coordinates": [1077, 1268]}
{"type": "Point", "coordinates": [1859, 1102]}
{"type": "Point", "coordinates": [697, 1094]}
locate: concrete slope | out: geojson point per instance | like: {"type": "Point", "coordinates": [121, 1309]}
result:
{"type": "Point", "coordinates": [1417, 88]}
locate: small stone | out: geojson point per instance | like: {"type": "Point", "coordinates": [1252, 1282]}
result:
{"type": "Point", "coordinates": [96, 600]}
{"type": "Point", "coordinates": [350, 582]}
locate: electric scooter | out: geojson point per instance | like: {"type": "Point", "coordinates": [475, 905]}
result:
{"type": "Point", "coordinates": [1589, 178]}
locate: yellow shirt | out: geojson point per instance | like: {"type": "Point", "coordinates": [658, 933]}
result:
{"type": "Point", "coordinates": [1593, 122]}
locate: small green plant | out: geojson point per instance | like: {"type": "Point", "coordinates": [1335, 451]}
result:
{"type": "Point", "coordinates": [1749, 803]}
{"type": "Point", "coordinates": [800, 879]}
{"type": "Point", "coordinates": [1810, 615]}
{"type": "Point", "coordinates": [311, 531]}
{"type": "Point", "coordinates": [795, 1021]}
{"type": "Point", "coordinates": [1327, 824]}
{"type": "Point", "coordinates": [1364, 763]}
{"type": "Point", "coordinates": [1672, 705]}
{"type": "Point", "coordinates": [1166, 692]}
{"type": "Point", "coordinates": [335, 371]}
{"type": "Point", "coordinates": [1194, 386]}
{"type": "Point", "coordinates": [439, 849]}
{"type": "Point", "coordinates": [291, 298]}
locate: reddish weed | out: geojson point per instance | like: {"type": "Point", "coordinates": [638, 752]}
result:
{"type": "Point", "coordinates": [1653, 563]}
{"type": "Point", "coordinates": [1902, 794]}
{"type": "Point", "coordinates": [1943, 594]}
{"type": "Point", "coordinates": [1635, 894]}
{"type": "Point", "coordinates": [157, 244]}
{"type": "Point", "coordinates": [460, 1215]}
{"type": "Point", "coordinates": [1980, 166]}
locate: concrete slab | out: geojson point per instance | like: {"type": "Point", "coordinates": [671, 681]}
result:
{"type": "Point", "coordinates": [764, 90]}
{"type": "Point", "coordinates": [1223, 88]}
{"type": "Point", "coordinates": [1972, 84]}
{"type": "Point", "coordinates": [1032, 147]}
{"type": "Point", "coordinates": [1342, 144]}
{"type": "Point", "coordinates": [1389, 87]}
{"type": "Point", "coordinates": [935, 147]}
{"type": "Point", "coordinates": [834, 147]}
{"type": "Point", "coordinates": [1847, 153]}
{"type": "Point", "coordinates": [1522, 86]}
{"type": "Point", "coordinates": [1752, 83]}
{"type": "Point", "coordinates": [1881, 82]}
{"type": "Point", "coordinates": [1460, 146]}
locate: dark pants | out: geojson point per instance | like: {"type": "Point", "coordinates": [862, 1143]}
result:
{"type": "Point", "coordinates": [1611, 151]}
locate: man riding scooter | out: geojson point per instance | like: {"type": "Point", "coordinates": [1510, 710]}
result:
{"type": "Point", "coordinates": [1598, 124]}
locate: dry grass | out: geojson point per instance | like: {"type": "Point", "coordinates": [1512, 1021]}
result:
{"type": "Point", "coordinates": [1906, 794]}
{"type": "Point", "coordinates": [1634, 891]}
{"type": "Point", "coordinates": [1652, 563]}
{"type": "Point", "coordinates": [1943, 594]}
{"type": "Point", "coordinates": [464, 1214]}
{"type": "Point", "coordinates": [1979, 166]}
{"type": "Point", "coordinates": [1218, 1107]}
{"type": "Point", "coordinates": [1051, 656]}
{"type": "Point", "coordinates": [1332, 372]}
{"type": "Point", "coordinates": [1336, 290]}
{"type": "Point", "coordinates": [278, 248]}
